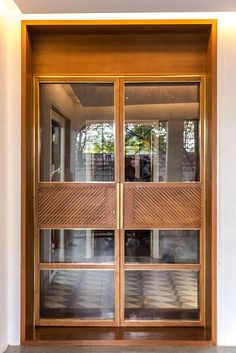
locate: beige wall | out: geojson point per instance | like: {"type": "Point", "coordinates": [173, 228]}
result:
{"type": "Point", "coordinates": [3, 183]}
{"type": "Point", "coordinates": [9, 173]}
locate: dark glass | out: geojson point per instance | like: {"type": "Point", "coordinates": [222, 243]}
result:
{"type": "Point", "coordinates": [76, 245]}
{"type": "Point", "coordinates": [162, 246]}
{"type": "Point", "coordinates": [162, 132]}
{"type": "Point", "coordinates": [82, 294]}
{"type": "Point", "coordinates": [77, 132]}
{"type": "Point", "coordinates": [162, 295]}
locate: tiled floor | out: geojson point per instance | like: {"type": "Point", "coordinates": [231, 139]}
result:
{"type": "Point", "coordinates": [110, 349]}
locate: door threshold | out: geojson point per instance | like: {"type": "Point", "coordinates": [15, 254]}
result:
{"type": "Point", "coordinates": [170, 336]}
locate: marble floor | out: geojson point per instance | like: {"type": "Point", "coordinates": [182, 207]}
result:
{"type": "Point", "coordinates": [127, 349]}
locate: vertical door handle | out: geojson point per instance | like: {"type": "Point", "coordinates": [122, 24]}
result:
{"type": "Point", "coordinates": [119, 206]}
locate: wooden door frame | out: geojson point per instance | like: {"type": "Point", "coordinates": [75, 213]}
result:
{"type": "Point", "coordinates": [120, 266]}
{"type": "Point", "coordinates": [27, 150]}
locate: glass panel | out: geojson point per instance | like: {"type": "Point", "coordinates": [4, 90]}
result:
{"type": "Point", "coordinates": [162, 295]}
{"type": "Point", "coordinates": [77, 132]}
{"type": "Point", "coordinates": [76, 245]}
{"type": "Point", "coordinates": [162, 246]}
{"type": "Point", "coordinates": [162, 132]}
{"type": "Point", "coordinates": [83, 294]}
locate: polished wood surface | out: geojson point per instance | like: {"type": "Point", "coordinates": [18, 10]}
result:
{"type": "Point", "coordinates": [172, 48]}
{"type": "Point", "coordinates": [211, 185]}
{"type": "Point", "coordinates": [68, 205]}
{"type": "Point", "coordinates": [121, 336]}
{"type": "Point", "coordinates": [120, 54]}
{"type": "Point", "coordinates": [162, 205]}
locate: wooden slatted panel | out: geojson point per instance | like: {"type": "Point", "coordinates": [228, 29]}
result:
{"type": "Point", "coordinates": [76, 205]}
{"type": "Point", "coordinates": [162, 206]}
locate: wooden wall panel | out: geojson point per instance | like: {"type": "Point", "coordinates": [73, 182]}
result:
{"type": "Point", "coordinates": [168, 53]}
{"type": "Point", "coordinates": [76, 205]}
{"type": "Point", "coordinates": [27, 189]}
{"type": "Point", "coordinates": [162, 206]}
{"type": "Point", "coordinates": [211, 186]}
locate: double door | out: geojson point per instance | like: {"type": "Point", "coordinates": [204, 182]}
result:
{"type": "Point", "coordinates": [119, 201]}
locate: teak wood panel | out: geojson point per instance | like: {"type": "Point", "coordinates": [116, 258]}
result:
{"type": "Point", "coordinates": [120, 54]}
{"type": "Point", "coordinates": [162, 205]}
{"type": "Point", "coordinates": [76, 205]}
{"type": "Point", "coordinates": [123, 336]}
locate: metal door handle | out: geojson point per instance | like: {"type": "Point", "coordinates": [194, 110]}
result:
{"type": "Point", "coordinates": [119, 205]}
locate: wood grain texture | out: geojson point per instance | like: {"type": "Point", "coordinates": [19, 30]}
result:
{"type": "Point", "coordinates": [162, 205]}
{"type": "Point", "coordinates": [126, 336]}
{"type": "Point", "coordinates": [76, 205]}
{"type": "Point", "coordinates": [120, 54]}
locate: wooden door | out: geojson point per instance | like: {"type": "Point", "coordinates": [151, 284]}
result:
{"type": "Point", "coordinates": [162, 241]}
{"type": "Point", "coordinates": [119, 219]}
{"type": "Point", "coordinates": [77, 241]}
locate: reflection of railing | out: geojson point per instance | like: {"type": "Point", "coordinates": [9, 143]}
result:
{"type": "Point", "coordinates": [101, 167]}
{"type": "Point", "coordinates": [148, 168]}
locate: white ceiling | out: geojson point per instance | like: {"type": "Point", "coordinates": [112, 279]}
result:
{"type": "Point", "coordinates": [108, 6]}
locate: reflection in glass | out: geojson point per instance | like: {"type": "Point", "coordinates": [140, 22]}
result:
{"type": "Point", "coordinates": [77, 132]}
{"type": "Point", "coordinates": [162, 295]}
{"type": "Point", "coordinates": [162, 132]}
{"type": "Point", "coordinates": [76, 245]}
{"type": "Point", "coordinates": [162, 246]}
{"type": "Point", "coordinates": [84, 294]}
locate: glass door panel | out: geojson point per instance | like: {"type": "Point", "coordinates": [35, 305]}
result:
{"type": "Point", "coordinates": [77, 132]}
{"type": "Point", "coordinates": [77, 238]}
{"type": "Point", "coordinates": [163, 237]}
{"type": "Point", "coordinates": [78, 294]}
{"type": "Point", "coordinates": [162, 246]}
{"type": "Point", "coordinates": [161, 295]}
{"type": "Point", "coordinates": [77, 246]}
{"type": "Point", "coordinates": [162, 132]}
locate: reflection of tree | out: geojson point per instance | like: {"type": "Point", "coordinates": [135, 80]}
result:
{"type": "Point", "coordinates": [99, 138]}
{"type": "Point", "coordinates": [96, 138]}
{"type": "Point", "coordinates": [139, 138]}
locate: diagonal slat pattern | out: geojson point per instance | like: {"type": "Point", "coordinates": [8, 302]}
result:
{"type": "Point", "coordinates": [76, 205]}
{"type": "Point", "coordinates": [163, 206]}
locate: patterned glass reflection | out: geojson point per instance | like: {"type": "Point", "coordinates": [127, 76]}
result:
{"type": "Point", "coordinates": [83, 294]}
{"type": "Point", "coordinates": [162, 295]}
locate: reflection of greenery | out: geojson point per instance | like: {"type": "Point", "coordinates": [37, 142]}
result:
{"type": "Point", "coordinates": [96, 138]}
{"type": "Point", "coordinates": [140, 138]}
